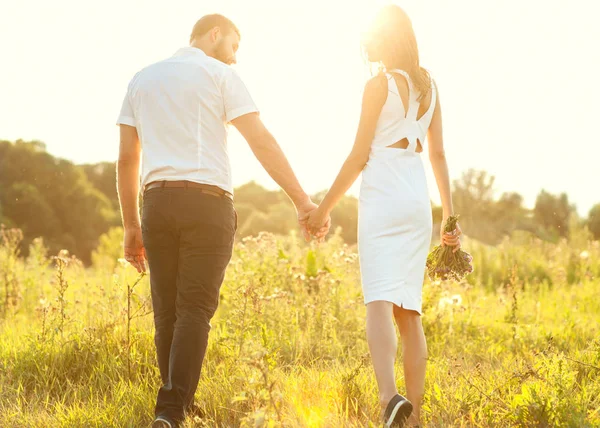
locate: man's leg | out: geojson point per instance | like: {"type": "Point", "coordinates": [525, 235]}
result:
{"type": "Point", "coordinates": [162, 250]}
{"type": "Point", "coordinates": [207, 230]}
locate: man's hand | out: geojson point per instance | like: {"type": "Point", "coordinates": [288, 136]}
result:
{"type": "Point", "coordinates": [135, 253]}
{"type": "Point", "coordinates": [318, 220]}
{"type": "Point", "coordinates": [304, 210]}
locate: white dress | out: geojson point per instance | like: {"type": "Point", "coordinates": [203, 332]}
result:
{"type": "Point", "coordinates": [395, 224]}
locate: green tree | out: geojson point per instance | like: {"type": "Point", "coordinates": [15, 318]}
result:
{"type": "Point", "coordinates": [3, 219]}
{"type": "Point", "coordinates": [345, 215]}
{"type": "Point", "coordinates": [32, 212]}
{"type": "Point", "coordinates": [257, 222]}
{"type": "Point", "coordinates": [52, 198]}
{"type": "Point", "coordinates": [552, 213]}
{"type": "Point", "coordinates": [282, 218]}
{"type": "Point", "coordinates": [594, 221]}
{"type": "Point", "coordinates": [103, 177]}
{"type": "Point", "coordinates": [509, 214]}
{"type": "Point", "coordinates": [473, 200]}
{"type": "Point", "coordinates": [109, 250]}
{"type": "Point", "coordinates": [259, 197]}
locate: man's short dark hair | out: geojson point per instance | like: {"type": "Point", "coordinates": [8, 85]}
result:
{"type": "Point", "coordinates": [208, 22]}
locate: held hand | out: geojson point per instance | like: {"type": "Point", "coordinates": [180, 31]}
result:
{"type": "Point", "coordinates": [451, 239]}
{"type": "Point", "coordinates": [304, 210]}
{"type": "Point", "coordinates": [319, 223]}
{"type": "Point", "coordinates": [135, 253]}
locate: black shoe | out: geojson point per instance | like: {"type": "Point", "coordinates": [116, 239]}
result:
{"type": "Point", "coordinates": [162, 422]}
{"type": "Point", "coordinates": [397, 412]}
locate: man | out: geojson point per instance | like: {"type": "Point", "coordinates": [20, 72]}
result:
{"type": "Point", "coordinates": [177, 110]}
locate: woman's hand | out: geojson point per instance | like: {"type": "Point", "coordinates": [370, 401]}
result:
{"type": "Point", "coordinates": [451, 239]}
{"type": "Point", "coordinates": [318, 223]}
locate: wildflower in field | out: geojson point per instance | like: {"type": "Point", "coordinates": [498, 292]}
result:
{"type": "Point", "coordinates": [63, 256]}
{"type": "Point", "coordinates": [449, 301]}
{"type": "Point", "coordinates": [456, 299]}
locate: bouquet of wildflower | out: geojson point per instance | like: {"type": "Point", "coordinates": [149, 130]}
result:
{"type": "Point", "coordinates": [444, 263]}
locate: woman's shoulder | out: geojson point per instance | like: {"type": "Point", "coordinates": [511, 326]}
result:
{"type": "Point", "coordinates": [378, 81]}
{"type": "Point", "coordinates": [377, 86]}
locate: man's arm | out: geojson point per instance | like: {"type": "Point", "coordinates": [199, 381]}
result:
{"type": "Point", "coordinates": [128, 187]}
{"type": "Point", "coordinates": [128, 170]}
{"type": "Point", "coordinates": [269, 154]}
{"type": "Point", "coordinates": [241, 111]}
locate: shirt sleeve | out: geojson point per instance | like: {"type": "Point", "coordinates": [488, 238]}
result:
{"type": "Point", "coordinates": [126, 117]}
{"type": "Point", "coordinates": [236, 97]}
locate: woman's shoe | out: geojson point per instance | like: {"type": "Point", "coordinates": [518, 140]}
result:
{"type": "Point", "coordinates": [397, 412]}
{"type": "Point", "coordinates": [162, 422]}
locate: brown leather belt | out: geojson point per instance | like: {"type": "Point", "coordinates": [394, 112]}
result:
{"type": "Point", "coordinates": [204, 188]}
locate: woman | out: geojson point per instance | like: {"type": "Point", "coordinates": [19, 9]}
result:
{"type": "Point", "coordinates": [400, 108]}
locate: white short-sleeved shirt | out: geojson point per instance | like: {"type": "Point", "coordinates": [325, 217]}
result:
{"type": "Point", "coordinates": [180, 107]}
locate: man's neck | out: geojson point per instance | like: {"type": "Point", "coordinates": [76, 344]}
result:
{"type": "Point", "coordinates": [199, 46]}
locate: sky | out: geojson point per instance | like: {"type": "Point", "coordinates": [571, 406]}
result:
{"type": "Point", "coordinates": [519, 81]}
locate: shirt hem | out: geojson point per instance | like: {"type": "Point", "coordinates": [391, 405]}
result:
{"type": "Point", "coordinates": [126, 120]}
{"type": "Point", "coordinates": [234, 114]}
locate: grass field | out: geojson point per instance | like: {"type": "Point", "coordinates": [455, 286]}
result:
{"type": "Point", "coordinates": [517, 344]}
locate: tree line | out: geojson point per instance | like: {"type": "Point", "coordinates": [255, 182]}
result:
{"type": "Point", "coordinates": [72, 205]}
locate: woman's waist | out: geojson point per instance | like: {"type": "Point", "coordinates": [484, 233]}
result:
{"type": "Point", "coordinates": [392, 160]}
{"type": "Point", "coordinates": [400, 172]}
{"type": "Point", "coordinates": [393, 151]}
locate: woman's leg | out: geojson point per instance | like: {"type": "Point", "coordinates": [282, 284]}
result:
{"type": "Point", "coordinates": [414, 353]}
{"type": "Point", "coordinates": [383, 345]}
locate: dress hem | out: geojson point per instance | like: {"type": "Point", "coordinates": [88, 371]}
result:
{"type": "Point", "coordinates": [397, 302]}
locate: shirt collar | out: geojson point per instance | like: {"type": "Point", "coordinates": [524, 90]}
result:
{"type": "Point", "coordinates": [189, 50]}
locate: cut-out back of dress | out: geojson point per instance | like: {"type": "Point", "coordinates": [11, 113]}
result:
{"type": "Point", "coordinates": [400, 127]}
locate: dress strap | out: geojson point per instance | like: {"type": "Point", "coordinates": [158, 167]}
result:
{"type": "Point", "coordinates": [413, 102]}
{"type": "Point", "coordinates": [399, 71]}
{"type": "Point", "coordinates": [427, 116]}
{"type": "Point", "coordinates": [413, 108]}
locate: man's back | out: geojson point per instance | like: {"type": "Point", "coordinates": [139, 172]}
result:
{"type": "Point", "coordinates": [180, 107]}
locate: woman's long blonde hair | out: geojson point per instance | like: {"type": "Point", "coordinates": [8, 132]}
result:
{"type": "Point", "coordinates": [391, 41]}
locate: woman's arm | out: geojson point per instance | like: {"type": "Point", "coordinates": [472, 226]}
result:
{"type": "Point", "coordinates": [437, 157]}
{"type": "Point", "coordinates": [374, 97]}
